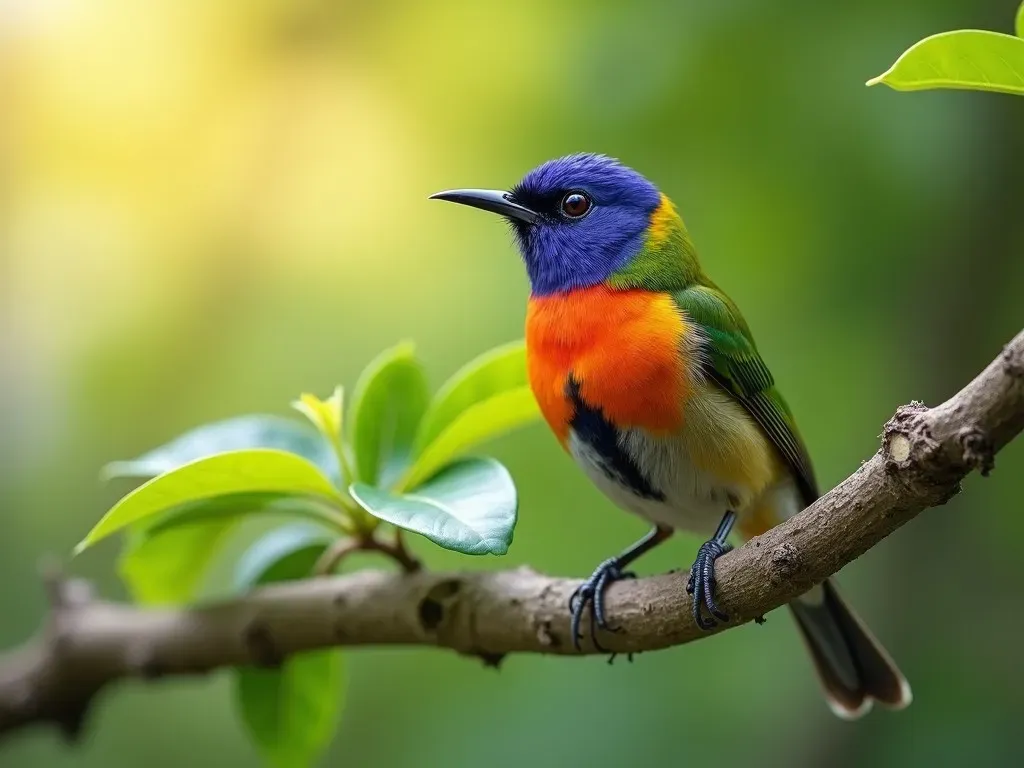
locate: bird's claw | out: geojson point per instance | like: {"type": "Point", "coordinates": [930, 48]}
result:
{"type": "Point", "coordinates": [591, 594]}
{"type": "Point", "coordinates": [702, 584]}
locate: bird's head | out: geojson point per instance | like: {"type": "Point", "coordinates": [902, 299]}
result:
{"type": "Point", "coordinates": [586, 219]}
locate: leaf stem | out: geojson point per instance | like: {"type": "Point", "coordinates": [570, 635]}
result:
{"type": "Point", "coordinates": [344, 465]}
{"type": "Point", "coordinates": [402, 555]}
{"type": "Point", "coordinates": [361, 520]}
{"type": "Point", "coordinates": [335, 511]}
{"type": "Point", "coordinates": [364, 522]}
{"type": "Point", "coordinates": [396, 551]}
{"type": "Point", "coordinates": [334, 554]}
{"type": "Point", "coordinates": [342, 548]}
{"type": "Point", "coordinates": [347, 473]}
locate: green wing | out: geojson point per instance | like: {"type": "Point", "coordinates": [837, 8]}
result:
{"type": "Point", "coordinates": [734, 364]}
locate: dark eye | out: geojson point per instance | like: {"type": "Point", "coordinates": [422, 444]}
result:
{"type": "Point", "coordinates": [575, 205]}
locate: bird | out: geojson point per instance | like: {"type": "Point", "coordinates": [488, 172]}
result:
{"type": "Point", "coordinates": [650, 379]}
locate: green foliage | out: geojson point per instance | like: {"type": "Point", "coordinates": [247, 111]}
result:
{"type": "Point", "coordinates": [395, 456]}
{"type": "Point", "coordinates": [388, 403]}
{"type": "Point", "coordinates": [961, 59]}
{"type": "Point", "coordinates": [256, 470]}
{"type": "Point", "coordinates": [469, 506]}
{"type": "Point", "coordinates": [482, 421]}
{"type": "Point", "coordinates": [490, 374]}
{"type": "Point", "coordinates": [255, 431]}
{"type": "Point", "coordinates": [166, 561]}
{"type": "Point", "coordinates": [290, 711]}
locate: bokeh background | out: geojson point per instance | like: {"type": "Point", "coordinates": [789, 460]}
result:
{"type": "Point", "coordinates": [209, 207]}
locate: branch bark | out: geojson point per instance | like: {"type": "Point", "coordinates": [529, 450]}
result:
{"type": "Point", "coordinates": [89, 644]}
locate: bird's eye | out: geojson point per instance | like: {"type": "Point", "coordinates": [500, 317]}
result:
{"type": "Point", "coordinates": [575, 205]}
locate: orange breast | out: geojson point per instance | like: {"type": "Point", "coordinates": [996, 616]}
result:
{"type": "Point", "coordinates": [625, 348]}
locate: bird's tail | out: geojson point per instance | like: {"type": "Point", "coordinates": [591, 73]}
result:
{"type": "Point", "coordinates": [855, 670]}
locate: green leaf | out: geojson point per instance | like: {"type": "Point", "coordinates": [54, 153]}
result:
{"type": "Point", "coordinates": [1019, 27]}
{"type": "Point", "coordinates": [388, 401]}
{"type": "Point", "coordinates": [482, 421]}
{"type": "Point", "coordinates": [283, 554]}
{"type": "Point", "coordinates": [290, 712]}
{"type": "Point", "coordinates": [169, 569]}
{"type": "Point", "coordinates": [253, 431]}
{"type": "Point", "coordinates": [233, 505]}
{"type": "Point", "coordinates": [470, 506]}
{"type": "Point", "coordinates": [495, 371]}
{"type": "Point", "coordinates": [165, 562]}
{"type": "Point", "coordinates": [245, 471]}
{"type": "Point", "coordinates": [324, 414]}
{"type": "Point", "coordinates": [961, 59]}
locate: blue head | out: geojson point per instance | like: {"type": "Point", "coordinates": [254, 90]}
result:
{"type": "Point", "coordinates": [577, 219]}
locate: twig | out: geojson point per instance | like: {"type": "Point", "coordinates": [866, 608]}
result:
{"type": "Point", "coordinates": [342, 548]}
{"type": "Point", "coordinates": [400, 553]}
{"type": "Point", "coordinates": [333, 556]}
{"type": "Point", "coordinates": [88, 644]}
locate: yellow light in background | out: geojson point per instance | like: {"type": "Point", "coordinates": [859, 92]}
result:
{"type": "Point", "coordinates": [306, 169]}
{"type": "Point", "coordinates": [155, 139]}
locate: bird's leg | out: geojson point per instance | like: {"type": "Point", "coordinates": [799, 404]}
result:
{"type": "Point", "coordinates": [590, 594]}
{"type": "Point", "coordinates": [702, 574]}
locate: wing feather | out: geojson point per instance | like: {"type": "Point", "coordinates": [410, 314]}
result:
{"type": "Point", "coordinates": [733, 362]}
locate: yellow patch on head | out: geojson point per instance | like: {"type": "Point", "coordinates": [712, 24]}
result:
{"type": "Point", "coordinates": [663, 220]}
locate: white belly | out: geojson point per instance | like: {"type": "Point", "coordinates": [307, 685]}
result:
{"type": "Point", "coordinates": [694, 497]}
{"type": "Point", "coordinates": [694, 500]}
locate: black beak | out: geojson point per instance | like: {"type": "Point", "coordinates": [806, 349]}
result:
{"type": "Point", "coordinates": [493, 200]}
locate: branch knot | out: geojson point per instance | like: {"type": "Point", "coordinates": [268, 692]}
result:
{"type": "Point", "coordinates": [907, 437]}
{"type": "Point", "coordinates": [978, 451]}
{"type": "Point", "coordinates": [786, 561]}
{"type": "Point", "coordinates": [1013, 360]}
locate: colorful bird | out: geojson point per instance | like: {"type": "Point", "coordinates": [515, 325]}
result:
{"type": "Point", "coordinates": [650, 379]}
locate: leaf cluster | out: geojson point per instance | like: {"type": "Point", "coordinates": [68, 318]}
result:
{"type": "Point", "coordinates": [327, 481]}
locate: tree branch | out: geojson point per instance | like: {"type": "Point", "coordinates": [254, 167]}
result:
{"type": "Point", "coordinates": [88, 644]}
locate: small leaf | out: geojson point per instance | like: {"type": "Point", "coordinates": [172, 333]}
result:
{"type": "Point", "coordinates": [169, 569]}
{"type": "Point", "coordinates": [495, 371]}
{"type": "Point", "coordinates": [290, 712]}
{"type": "Point", "coordinates": [470, 507]}
{"type": "Point", "coordinates": [253, 431]}
{"type": "Point", "coordinates": [166, 561]}
{"type": "Point", "coordinates": [388, 402]}
{"type": "Point", "coordinates": [324, 414]}
{"type": "Point", "coordinates": [483, 421]}
{"type": "Point", "coordinates": [245, 471]}
{"type": "Point", "coordinates": [1019, 27]}
{"type": "Point", "coordinates": [961, 59]}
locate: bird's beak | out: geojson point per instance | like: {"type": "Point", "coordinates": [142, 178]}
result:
{"type": "Point", "coordinates": [493, 200]}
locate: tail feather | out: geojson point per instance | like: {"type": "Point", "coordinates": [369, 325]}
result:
{"type": "Point", "coordinates": [854, 669]}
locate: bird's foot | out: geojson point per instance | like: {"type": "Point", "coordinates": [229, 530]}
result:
{"type": "Point", "coordinates": [702, 584]}
{"type": "Point", "coordinates": [589, 596]}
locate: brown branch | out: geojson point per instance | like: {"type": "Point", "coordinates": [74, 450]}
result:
{"type": "Point", "coordinates": [924, 455]}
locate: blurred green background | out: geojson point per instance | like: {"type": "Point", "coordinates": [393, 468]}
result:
{"type": "Point", "coordinates": [207, 208]}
